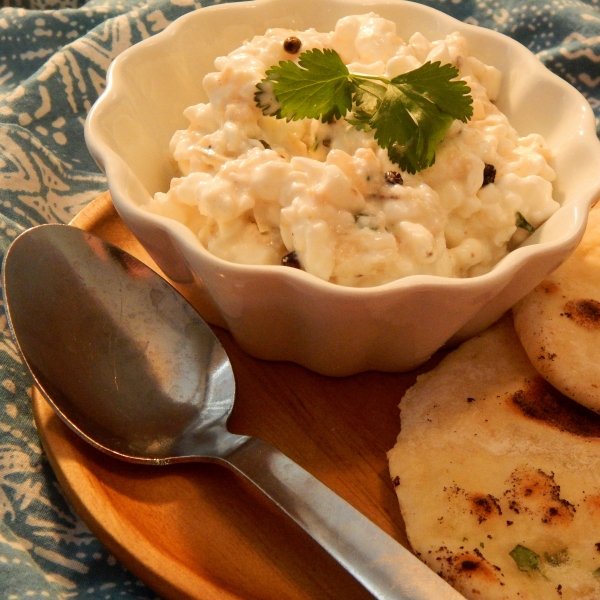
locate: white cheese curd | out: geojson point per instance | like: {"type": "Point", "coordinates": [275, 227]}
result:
{"type": "Point", "coordinates": [255, 188]}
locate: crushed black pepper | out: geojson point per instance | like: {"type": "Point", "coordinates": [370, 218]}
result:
{"type": "Point", "coordinates": [489, 174]}
{"type": "Point", "coordinates": [394, 178]}
{"type": "Point", "coordinates": [291, 260]}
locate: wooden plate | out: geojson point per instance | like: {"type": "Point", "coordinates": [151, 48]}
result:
{"type": "Point", "coordinates": [196, 531]}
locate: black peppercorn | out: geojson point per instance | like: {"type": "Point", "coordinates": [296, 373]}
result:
{"type": "Point", "coordinates": [292, 45]}
{"type": "Point", "coordinates": [489, 174]}
{"type": "Point", "coordinates": [291, 260]}
{"type": "Point", "coordinates": [394, 178]}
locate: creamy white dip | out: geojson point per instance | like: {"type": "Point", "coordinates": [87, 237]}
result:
{"type": "Point", "coordinates": [255, 188]}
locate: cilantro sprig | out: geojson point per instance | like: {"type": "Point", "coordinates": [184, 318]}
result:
{"type": "Point", "coordinates": [409, 114]}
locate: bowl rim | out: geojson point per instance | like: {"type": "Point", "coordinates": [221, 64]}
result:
{"type": "Point", "coordinates": [117, 170]}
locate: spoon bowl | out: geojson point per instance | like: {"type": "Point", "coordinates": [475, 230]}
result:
{"type": "Point", "coordinates": [117, 352]}
{"type": "Point", "coordinates": [129, 365]}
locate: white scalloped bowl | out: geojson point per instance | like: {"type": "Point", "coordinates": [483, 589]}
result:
{"type": "Point", "coordinates": [279, 313]}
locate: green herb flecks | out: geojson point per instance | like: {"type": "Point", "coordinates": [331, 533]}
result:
{"type": "Point", "coordinates": [523, 223]}
{"type": "Point", "coordinates": [558, 558]}
{"type": "Point", "coordinates": [409, 114]}
{"type": "Point", "coordinates": [526, 559]}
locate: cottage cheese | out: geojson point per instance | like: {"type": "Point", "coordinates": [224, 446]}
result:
{"type": "Point", "coordinates": [255, 188]}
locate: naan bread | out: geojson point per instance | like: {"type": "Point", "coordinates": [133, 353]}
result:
{"type": "Point", "coordinates": [559, 322]}
{"type": "Point", "coordinates": [491, 460]}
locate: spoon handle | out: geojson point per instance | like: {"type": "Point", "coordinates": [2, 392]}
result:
{"type": "Point", "coordinates": [381, 564]}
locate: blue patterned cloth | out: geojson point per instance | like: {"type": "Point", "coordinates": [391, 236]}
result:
{"type": "Point", "coordinates": [53, 60]}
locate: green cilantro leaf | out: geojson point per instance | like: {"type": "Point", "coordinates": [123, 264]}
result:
{"type": "Point", "coordinates": [410, 114]}
{"type": "Point", "coordinates": [317, 87]}
{"type": "Point", "coordinates": [424, 104]}
{"type": "Point", "coordinates": [433, 81]}
{"type": "Point", "coordinates": [409, 129]}
{"type": "Point", "coordinates": [366, 100]}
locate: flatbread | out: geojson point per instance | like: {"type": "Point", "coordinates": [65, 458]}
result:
{"type": "Point", "coordinates": [558, 323]}
{"type": "Point", "coordinates": [491, 460]}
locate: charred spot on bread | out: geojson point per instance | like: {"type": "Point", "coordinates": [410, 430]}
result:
{"type": "Point", "coordinates": [584, 312]}
{"type": "Point", "coordinates": [540, 401]}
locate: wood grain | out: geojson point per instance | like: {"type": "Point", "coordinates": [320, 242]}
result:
{"type": "Point", "coordinates": [196, 531]}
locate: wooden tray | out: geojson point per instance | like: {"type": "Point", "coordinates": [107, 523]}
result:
{"type": "Point", "coordinates": [196, 531]}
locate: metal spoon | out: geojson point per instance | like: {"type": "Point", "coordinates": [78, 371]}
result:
{"type": "Point", "coordinates": [127, 363]}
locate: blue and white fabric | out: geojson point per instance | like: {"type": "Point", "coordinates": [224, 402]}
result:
{"type": "Point", "coordinates": [53, 60]}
